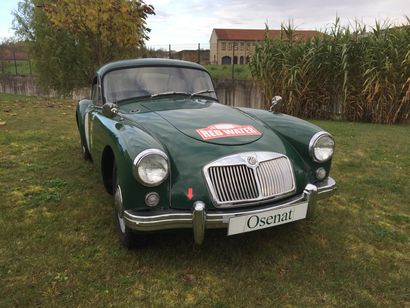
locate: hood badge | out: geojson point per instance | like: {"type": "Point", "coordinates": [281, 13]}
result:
{"type": "Point", "coordinates": [252, 160]}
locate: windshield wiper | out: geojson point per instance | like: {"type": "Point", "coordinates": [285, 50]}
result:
{"type": "Point", "coordinates": [182, 93]}
{"type": "Point", "coordinates": [202, 92]}
{"type": "Point", "coordinates": [131, 98]}
{"type": "Point", "coordinates": [169, 93]}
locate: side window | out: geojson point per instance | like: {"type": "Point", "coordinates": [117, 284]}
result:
{"type": "Point", "coordinates": [99, 97]}
{"type": "Point", "coordinates": [94, 91]}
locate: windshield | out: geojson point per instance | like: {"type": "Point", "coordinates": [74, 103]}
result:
{"type": "Point", "coordinates": [150, 81]}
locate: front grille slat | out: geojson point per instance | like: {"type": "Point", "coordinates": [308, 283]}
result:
{"type": "Point", "coordinates": [252, 182]}
{"type": "Point", "coordinates": [268, 183]}
{"type": "Point", "coordinates": [238, 183]}
{"type": "Point", "coordinates": [245, 183]}
{"type": "Point", "coordinates": [274, 169]}
{"type": "Point", "coordinates": [223, 183]}
{"type": "Point", "coordinates": [248, 184]}
{"type": "Point", "coordinates": [274, 174]}
{"type": "Point", "coordinates": [235, 183]}
{"type": "Point", "coordinates": [219, 187]}
{"type": "Point", "coordinates": [215, 176]}
{"type": "Point", "coordinates": [228, 184]}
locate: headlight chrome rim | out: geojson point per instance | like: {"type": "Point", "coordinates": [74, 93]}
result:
{"type": "Point", "coordinates": [140, 157]}
{"type": "Point", "coordinates": [313, 141]}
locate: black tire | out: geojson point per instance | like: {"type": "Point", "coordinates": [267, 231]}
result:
{"type": "Point", "coordinates": [84, 150]}
{"type": "Point", "coordinates": [127, 236]}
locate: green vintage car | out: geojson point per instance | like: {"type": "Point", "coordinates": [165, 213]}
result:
{"type": "Point", "coordinates": [174, 157]}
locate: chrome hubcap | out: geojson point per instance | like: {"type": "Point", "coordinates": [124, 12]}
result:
{"type": "Point", "coordinates": [118, 208]}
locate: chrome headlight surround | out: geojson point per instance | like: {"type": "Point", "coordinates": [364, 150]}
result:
{"type": "Point", "coordinates": [151, 167]}
{"type": "Point", "coordinates": [321, 147]}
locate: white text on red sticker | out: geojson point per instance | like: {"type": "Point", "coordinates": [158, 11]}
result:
{"type": "Point", "coordinates": [227, 130]}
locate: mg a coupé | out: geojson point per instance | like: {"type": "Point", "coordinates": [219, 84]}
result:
{"type": "Point", "coordinates": [173, 157]}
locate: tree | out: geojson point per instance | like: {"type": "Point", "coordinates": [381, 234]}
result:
{"type": "Point", "coordinates": [71, 38]}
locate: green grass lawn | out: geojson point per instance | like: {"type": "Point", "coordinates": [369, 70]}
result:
{"type": "Point", "coordinates": [58, 245]}
{"type": "Point", "coordinates": [23, 67]}
{"type": "Point", "coordinates": [242, 72]}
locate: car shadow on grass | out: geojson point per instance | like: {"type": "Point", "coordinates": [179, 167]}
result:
{"type": "Point", "coordinates": [180, 243]}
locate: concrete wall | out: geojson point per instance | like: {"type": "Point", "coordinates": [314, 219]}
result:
{"type": "Point", "coordinates": [21, 85]}
{"type": "Point", "coordinates": [26, 85]}
{"type": "Point", "coordinates": [193, 56]}
{"type": "Point", "coordinates": [241, 93]}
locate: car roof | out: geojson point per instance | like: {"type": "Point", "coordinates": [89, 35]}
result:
{"type": "Point", "coordinates": [146, 62]}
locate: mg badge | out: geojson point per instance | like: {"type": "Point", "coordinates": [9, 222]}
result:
{"type": "Point", "coordinates": [252, 160]}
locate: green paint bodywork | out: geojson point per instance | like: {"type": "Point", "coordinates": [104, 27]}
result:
{"type": "Point", "coordinates": [169, 123]}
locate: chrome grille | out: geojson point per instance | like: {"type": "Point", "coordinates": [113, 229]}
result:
{"type": "Point", "coordinates": [234, 183]}
{"type": "Point", "coordinates": [234, 180]}
{"type": "Point", "coordinates": [274, 177]}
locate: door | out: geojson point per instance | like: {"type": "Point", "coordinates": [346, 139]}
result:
{"type": "Point", "coordinates": [90, 114]}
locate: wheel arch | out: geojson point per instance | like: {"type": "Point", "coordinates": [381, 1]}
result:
{"type": "Point", "coordinates": [116, 142]}
{"type": "Point", "coordinates": [107, 166]}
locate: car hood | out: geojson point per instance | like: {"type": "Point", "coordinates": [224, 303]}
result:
{"type": "Point", "coordinates": [196, 132]}
{"type": "Point", "coordinates": [207, 121]}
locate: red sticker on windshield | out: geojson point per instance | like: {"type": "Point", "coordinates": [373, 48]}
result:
{"type": "Point", "coordinates": [227, 130]}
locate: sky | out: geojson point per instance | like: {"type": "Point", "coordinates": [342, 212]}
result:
{"type": "Point", "coordinates": [185, 23]}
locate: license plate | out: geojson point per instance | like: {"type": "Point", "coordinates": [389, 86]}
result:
{"type": "Point", "coordinates": [267, 219]}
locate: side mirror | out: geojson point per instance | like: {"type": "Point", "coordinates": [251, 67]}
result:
{"type": "Point", "coordinates": [109, 110]}
{"type": "Point", "coordinates": [276, 101]}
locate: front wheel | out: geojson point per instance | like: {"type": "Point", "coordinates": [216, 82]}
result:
{"type": "Point", "coordinates": [127, 237]}
{"type": "Point", "coordinates": [83, 145]}
{"type": "Point", "coordinates": [85, 152]}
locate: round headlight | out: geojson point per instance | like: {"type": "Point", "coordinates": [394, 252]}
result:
{"type": "Point", "coordinates": [151, 167]}
{"type": "Point", "coordinates": [321, 147]}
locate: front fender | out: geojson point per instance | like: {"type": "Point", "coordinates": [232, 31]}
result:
{"type": "Point", "coordinates": [81, 110]}
{"type": "Point", "coordinates": [126, 141]}
{"type": "Point", "coordinates": [295, 131]}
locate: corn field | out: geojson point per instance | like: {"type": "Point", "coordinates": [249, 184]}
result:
{"type": "Point", "coordinates": [354, 73]}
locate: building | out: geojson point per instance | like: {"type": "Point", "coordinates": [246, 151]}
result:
{"type": "Point", "coordinates": [227, 45]}
{"type": "Point", "coordinates": [199, 55]}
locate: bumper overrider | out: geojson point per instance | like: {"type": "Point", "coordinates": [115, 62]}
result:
{"type": "Point", "coordinates": [199, 219]}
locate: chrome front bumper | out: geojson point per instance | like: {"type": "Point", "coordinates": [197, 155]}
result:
{"type": "Point", "coordinates": [199, 219]}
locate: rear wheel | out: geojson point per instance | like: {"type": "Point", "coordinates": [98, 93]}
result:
{"type": "Point", "coordinates": [128, 237]}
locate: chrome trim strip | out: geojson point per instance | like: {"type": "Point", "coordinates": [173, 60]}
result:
{"type": "Point", "coordinates": [199, 219]}
{"type": "Point", "coordinates": [326, 188]}
{"type": "Point", "coordinates": [199, 222]}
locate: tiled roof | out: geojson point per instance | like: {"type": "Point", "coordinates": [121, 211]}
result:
{"type": "Point", "coordinates": [258, 35]}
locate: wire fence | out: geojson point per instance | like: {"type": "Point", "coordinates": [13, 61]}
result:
{"type": "Point", "coordinates": [199, 53]}
{"type": "Point", "coordinates": [226, 52]}
{"type": "Point", "coordinates": [178, 47]}
{"type": "Point", "coordinates": [19, 63]}
{"type": "Point", "coordinates": [16, 67]}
